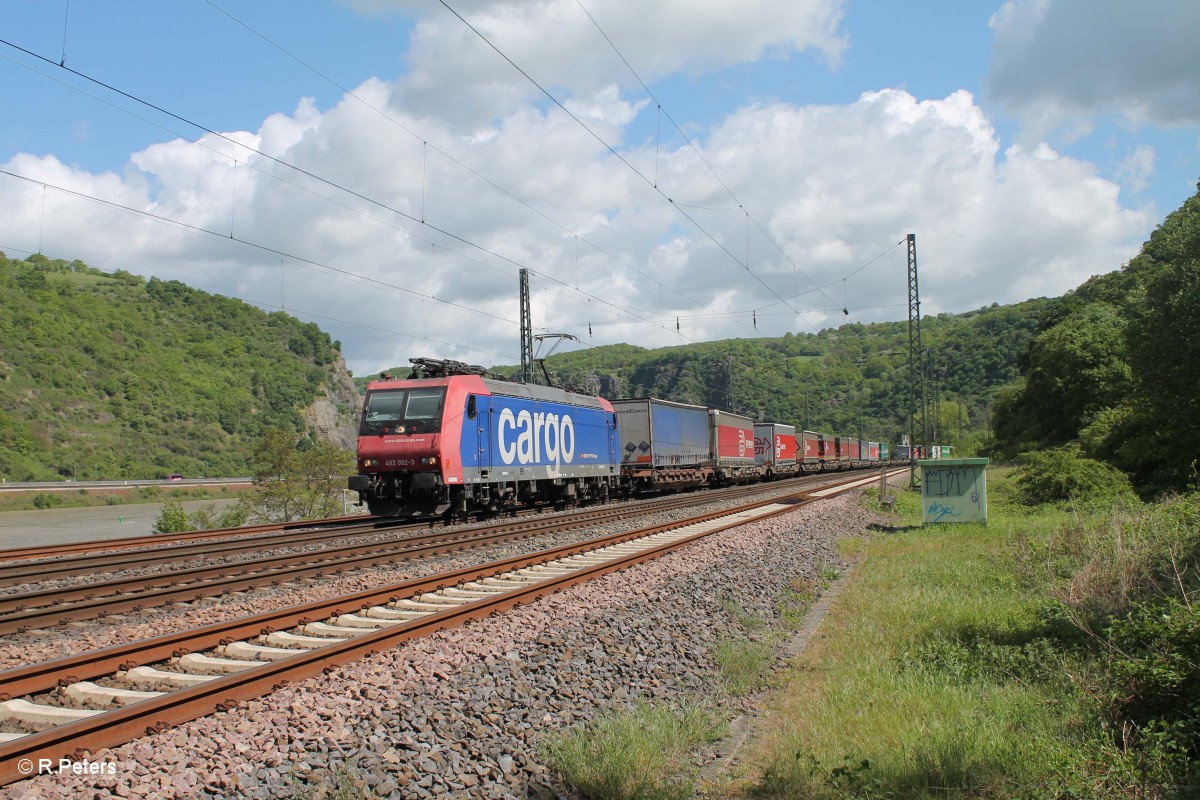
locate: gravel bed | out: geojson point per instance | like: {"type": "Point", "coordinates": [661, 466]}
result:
{"type": "Point", "coordinates": [62, 640]}
{"type": "Point", "coordinates": [461, 713]}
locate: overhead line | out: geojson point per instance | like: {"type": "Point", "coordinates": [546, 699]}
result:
{"type": "Point", "coordinates": [255, 167]}
{"type": "Point", "coordinates": [695, 149]}
{"type": "Point", "coordinates": [842, 279]}
{"type": "Point", "coordinates": [425, 142]}
{"type": "Point", "coordinates": [291, 310]}
{"type": "Point", "coordinates": [272, 158]}
{"type": "Point", "coordinates": [652, 184]}
{"type": "Point", "coordinates": [247, 242]}
{"type": "Point", "coordinates": [316, 177]}
{"type": "Point", "coordinates": [302, 260]}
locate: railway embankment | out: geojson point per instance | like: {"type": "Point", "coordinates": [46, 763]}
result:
{"type": "Point", "coordinates": [1051, 653]}
{"type": "Point", "coordinates": [470, 711]}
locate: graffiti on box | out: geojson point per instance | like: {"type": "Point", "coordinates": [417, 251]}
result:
{"type": "Point", "coordinates": [954, 493]}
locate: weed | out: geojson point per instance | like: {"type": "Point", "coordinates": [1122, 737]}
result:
{"type": "Point", "coordinates": [1053, 654]}
{"type": "Point", "coordinates": [636, 753]}
{"type": "Point", "coordinates": [744, 664]}
{"type": "Point", "coordinates": [749, 621]}
{"type": "Point", "coordinates": [828, 573]}
{"type": "Point", "coordinates": [793, 605]}
{"type": "Point", "coordinates": [344, 784]}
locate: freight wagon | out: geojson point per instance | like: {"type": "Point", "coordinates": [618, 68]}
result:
{"type": "Point", "coordinates": [775, 449]}
{"type": "Point", "coordinates": [731, 441]}
{"type": "Point", "coordinates": [847, 451]}
{"type": "Point", "coordinates": [809, 448]}
{"type": "Point", "coordinates": [663, 444]}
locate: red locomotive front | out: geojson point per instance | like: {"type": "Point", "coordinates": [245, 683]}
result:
{"type": "Point", "coordinates": [407, 455]}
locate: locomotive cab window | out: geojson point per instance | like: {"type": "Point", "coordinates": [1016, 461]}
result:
{"type": "Point", "coordinates": [403, 411]}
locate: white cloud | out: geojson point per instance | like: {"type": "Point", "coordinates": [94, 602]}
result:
{"type": "Point", "coordinates": [454, 72]}
{"type": "Point", "coordinates": [1053, 60]}
{"type": "Point", "coordinates": [1137, 167]}
{"type": "Point", "coordinates": [833, 186]}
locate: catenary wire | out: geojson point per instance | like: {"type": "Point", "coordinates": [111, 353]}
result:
{"type": "Point", "coordinates": [299, 311]}
{"type": "Point", "coordinates": [305, 172]}
{"type": "Point", "coordinates": [425, 142]}
{"type": "Point", "coordinates": [690, 144]}
{"type": "Point", "coordinates": [290, 166]}
{"type": "Point", "coordinates": [611, 149]}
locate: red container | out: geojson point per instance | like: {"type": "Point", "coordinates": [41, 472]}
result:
{"type": "Point", "coordinates": [730, 439]}
{"type": "Point", "coordinates": [774, 444]}
{"type": "Point", "coordinates": [811, 451]}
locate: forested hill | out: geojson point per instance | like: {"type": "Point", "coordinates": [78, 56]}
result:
{"type": "Point", "coordinates": [112, 376]}
{"type": "Point", "coordinates": [1113, 371]}
{"type": "Point", "coordinates": [838, 380]}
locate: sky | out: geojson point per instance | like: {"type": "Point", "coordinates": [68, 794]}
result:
{"type": "Point", "coordinates": [669, 171]}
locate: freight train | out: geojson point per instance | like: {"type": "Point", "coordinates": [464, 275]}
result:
{"type": "Point", "coordinates": [446, 441]}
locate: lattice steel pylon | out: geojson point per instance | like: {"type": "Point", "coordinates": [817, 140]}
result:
{"type": "Point", "coordinates": [918, 419]}
{"type": "Point", "coordinates": [526, 330]}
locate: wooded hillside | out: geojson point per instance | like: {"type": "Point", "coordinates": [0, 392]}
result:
{"type": "Point", "coordinates": [113, 376]}
{"type": "Point", "coordinates": [838, 380]}
{"type": "Point", "coordinates": [1114, 370]}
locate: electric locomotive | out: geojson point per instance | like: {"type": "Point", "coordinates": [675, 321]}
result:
{"type": "Point", "coordinates": [447, 441]}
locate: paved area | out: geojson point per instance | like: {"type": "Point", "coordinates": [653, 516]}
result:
{"type": "Point", "coordinates": [58, 525]}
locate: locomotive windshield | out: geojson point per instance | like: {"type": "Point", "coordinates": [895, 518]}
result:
{"type": "Point", "coordinates": [403, 411]}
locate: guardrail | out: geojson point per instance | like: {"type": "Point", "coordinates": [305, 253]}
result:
{"type": "Point", "coordinates": [69, 486]}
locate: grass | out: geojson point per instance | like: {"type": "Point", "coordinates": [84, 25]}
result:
{"type": "Point", "coordinates": [636, 753]}
{"type": "Point", "coordinates": [744, 664]}
{"type": "Point", "coordinates": [940, 673]}
{"type": "Point", "coordinates": [749, 621]}
{"type": "Point", "coordinates": [1051, 654]}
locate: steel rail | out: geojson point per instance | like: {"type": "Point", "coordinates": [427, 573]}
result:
{"type": "Point", "coordinates": [14, 573]}
{"type": "Point", "coordinates": [39, 609]}
{"type": "Point", "coordinates": [88, 564]}
{"type": "Point", "coordinates": [131, 542]}
{"type": "Point", "coordinates": [114, 727]}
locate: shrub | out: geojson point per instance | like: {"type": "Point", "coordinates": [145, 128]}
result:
{"type": "Point", "coordinates": [1056, 476]}
{"type": "Point", "coordinates": [1155, 676]}
{"type": "Point", "coordinates": [46, 500]}
{"type": "Point", "coordinates": [172, 518]}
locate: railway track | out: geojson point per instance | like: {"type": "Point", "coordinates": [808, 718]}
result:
{"type": "Point", "coordinates": [82, 703]}
{"type": "Point", "coordinates": [96, 598]}
{"type": "Point", "coordinates": [159, 540]}
{"type": "Point", "coordinates": [263, 533]}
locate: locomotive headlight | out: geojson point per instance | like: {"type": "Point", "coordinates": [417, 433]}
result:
{"type": "Point", "coordinates": [430, 460]}
{"type": "Point", "coordinates": [370, 462]}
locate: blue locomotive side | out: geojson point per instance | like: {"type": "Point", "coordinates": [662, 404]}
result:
{"type": "Point", "coordinates": [525, 438]}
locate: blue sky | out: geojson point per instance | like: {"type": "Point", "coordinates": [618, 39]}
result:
{"type": "Point", "coordinates": [1028, 144]}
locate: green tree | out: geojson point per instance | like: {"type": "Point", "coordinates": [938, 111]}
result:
{"type": "Point", "coordinates": [297, 479]}
{"type": "Point", "coordinates": [1164, 345]}
{"type": "Point", "coordinates": [172, 518]}
{"type": "Point", "coordinates": [1076, 369]}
